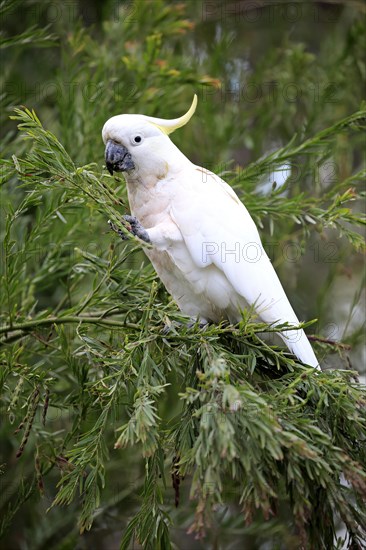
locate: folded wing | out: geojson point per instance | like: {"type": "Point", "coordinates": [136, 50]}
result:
{"type": "Point", "coordinates": [220, 231]}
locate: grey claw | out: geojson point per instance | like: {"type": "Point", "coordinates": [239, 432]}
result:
{"type": "Point", "coordinates": [201, 326]}
{"type": "Point", "coordinates": [114, 228]}
{"type": "Point", "coordinates": [137, 229]}
{"type": "Point", "coordinates": [167, 329]}
{"type": "Point", "coordinates": [176, 325]}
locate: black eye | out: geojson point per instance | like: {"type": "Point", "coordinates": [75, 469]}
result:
{"type": "Point", "coordinates": [137, 139]}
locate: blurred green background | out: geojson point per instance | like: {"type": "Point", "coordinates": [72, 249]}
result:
{"type": "Point", "coordinates": [263, 72]}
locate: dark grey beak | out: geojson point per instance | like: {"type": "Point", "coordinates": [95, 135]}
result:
{"type": "Point", "coordinates": [117, 158]}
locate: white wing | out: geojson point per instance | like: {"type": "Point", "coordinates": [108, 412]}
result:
{"type": "Point", "coordinates": [217, 229]}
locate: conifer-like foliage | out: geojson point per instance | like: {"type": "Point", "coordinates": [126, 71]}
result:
{"type": "Point", "coordinates": [122, 424]}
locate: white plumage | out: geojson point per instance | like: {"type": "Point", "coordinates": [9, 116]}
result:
{"type": "Point", "coordinates": [205, 246]}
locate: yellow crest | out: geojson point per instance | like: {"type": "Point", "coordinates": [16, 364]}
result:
{"type": "Point", "coordinates": [168, 126]}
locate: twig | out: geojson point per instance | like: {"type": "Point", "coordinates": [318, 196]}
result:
{"type": "Point", "coordinates": [334, 343]}
{"type": "Point", "coordinates": [53, 320]}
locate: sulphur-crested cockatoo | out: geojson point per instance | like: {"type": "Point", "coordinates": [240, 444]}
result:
{"type": "Point", "coordinates": [205, 246]}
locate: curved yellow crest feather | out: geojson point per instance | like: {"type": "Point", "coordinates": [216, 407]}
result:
{"type": "Point", "coordinates": [168, 126]}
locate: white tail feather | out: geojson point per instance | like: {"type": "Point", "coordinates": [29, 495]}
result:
{"type": "Point", "coordinates": [299, 345]}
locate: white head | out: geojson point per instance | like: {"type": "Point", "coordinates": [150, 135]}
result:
{"type": "Point", "coordinates": [139, 144]}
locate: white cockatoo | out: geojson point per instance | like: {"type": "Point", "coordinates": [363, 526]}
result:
{"type": "Point", "coordinates": [205, 246]}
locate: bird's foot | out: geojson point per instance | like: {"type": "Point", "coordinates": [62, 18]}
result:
{"type": "Point", "coordinates": [137, 229]}
{"type": "Point", "coordinates": [178, 325]}
{"type": "Point", "coordinates": [202, 325]}
{"type": "Point", "coordinates": [133, 226]}
{"type": "Point", "coordinates": [119, 232]}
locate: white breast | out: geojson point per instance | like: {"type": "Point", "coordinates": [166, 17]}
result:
{"type": "Point", "coordinates": [199, 292]}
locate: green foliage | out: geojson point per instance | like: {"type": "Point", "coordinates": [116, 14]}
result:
{"type": "Point", "coordinates": [115, 411]}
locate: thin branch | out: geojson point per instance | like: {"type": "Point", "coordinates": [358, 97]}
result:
{"type": "Point", "coordinates": [29, 325]}
{"type": "Point", "coordinates": [334, 343]}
